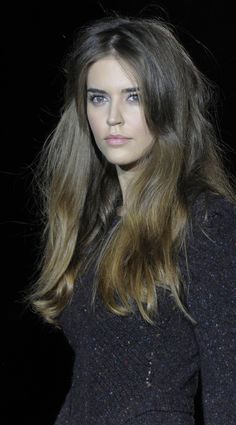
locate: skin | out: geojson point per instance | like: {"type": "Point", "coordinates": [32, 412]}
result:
{"type": "Point", "coordinates": [117, 111]}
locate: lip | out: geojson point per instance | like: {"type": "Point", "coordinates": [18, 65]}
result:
{"type": "Point", "coordinates": [117, 139]}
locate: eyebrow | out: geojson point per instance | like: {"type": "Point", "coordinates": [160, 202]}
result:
{"type": "Point", "coordinates": [127, 90]}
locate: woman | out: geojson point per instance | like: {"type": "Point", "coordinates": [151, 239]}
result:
{"type": "Point", "coordinates": [139, 265]}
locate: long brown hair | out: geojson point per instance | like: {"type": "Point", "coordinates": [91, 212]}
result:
{"type": "Point", "coordinates": [81, 190]}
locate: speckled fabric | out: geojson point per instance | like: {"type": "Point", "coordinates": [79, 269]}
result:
{"type": "Point", "coordinates": [129, 372]}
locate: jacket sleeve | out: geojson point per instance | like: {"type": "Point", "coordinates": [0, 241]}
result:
{"type": "Point", "coordinates": [211, 302]}
{"type": "Point", "coordinates": [63, 417]}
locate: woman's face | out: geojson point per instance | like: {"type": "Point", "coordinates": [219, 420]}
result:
{"type": "Point", "coordinates": [115, 114]}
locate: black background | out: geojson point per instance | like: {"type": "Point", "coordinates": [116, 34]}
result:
{"type": "Point", "coordinates": [36, 360]}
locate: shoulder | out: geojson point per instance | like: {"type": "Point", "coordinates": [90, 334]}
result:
{"type": "Point", "coordinates": [208, 206]}
{"type": "Point", "coordinates": [209, 269]}
{"type": "Point", "coordinates": [212, 222]}
{"type": "Point", "coordinates": [210, 273]}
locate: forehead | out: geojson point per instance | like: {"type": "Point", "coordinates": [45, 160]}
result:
{"type": "Point", "coordinates": [110, 73]}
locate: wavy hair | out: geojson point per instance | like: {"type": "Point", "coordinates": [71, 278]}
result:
{"type": "Point", "coordinates": [80, 189]}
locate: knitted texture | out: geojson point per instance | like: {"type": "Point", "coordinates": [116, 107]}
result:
{"type": "Point", "coordinates": [127, 371]}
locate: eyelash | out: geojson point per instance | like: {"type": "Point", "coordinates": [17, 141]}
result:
{"type": "Point", "coordinates": [95, 97]}
{"type": "Point", "coordinates": [136, 96]}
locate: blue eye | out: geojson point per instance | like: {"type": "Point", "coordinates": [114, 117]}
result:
{"type": "Point", "coordinates": [133, 97]}
{"type": "Point", "coordinates": [97, 99]}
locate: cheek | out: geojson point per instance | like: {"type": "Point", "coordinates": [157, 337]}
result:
{"type": "Point", "coordinates": [135, 118]}
{"type": "Point", "coordinates": [139, 124]}
{"type": "Point", "coordinates": [93, 123]}
{"type": "Point", "coordinates": [142, 132]}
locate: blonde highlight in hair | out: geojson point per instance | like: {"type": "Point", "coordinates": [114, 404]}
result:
{"type": "Point", "coordinates": [139, 254]}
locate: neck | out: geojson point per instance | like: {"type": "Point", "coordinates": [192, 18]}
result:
{"type": "Point", "coordinates": [125, 177]}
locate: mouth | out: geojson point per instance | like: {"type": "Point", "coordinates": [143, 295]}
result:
{"type": "Point", "coordinates": [117, 139]}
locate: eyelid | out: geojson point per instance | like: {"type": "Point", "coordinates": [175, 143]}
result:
{"type": "Point", "coordinates": [104, 98]}
{"type": "Point", "coordinates": [92, 96]}
{"type": "Point", "coordinates": [134, 94]}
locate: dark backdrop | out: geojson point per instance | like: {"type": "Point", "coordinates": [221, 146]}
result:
{"type": "Point", "coordinates": [36, 360]}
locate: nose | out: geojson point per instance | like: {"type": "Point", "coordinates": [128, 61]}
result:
{"type": "Point", "coordinates": [115, 115]}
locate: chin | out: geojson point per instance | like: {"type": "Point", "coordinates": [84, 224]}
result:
{"type": "Point", "coordinates": [119, 162]}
